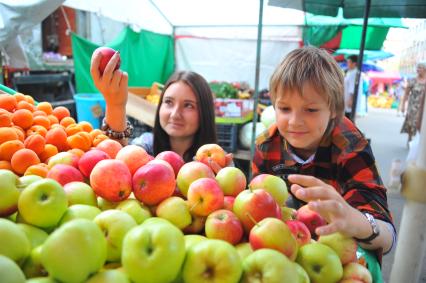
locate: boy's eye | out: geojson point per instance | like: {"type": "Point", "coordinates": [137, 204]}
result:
{"type": "Point", "coordinates": [284, 109]}
{"type": "Point", "coordinates": [312, 110]}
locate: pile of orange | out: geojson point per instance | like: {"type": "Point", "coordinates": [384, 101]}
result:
{"type": "Point", "coordinates": [31, 133]}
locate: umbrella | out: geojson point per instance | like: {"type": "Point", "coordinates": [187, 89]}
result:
{"type": "Point", "coordinates": [366, 67]}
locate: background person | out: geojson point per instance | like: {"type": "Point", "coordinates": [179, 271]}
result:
{"type": "Point", "coordinates": [414, 94]}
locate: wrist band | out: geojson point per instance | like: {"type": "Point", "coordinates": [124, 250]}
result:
{"type": "Point", "coordinates": [127, 133]}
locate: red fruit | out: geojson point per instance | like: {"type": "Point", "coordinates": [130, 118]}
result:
{"type": "Point", "coordinates": [107, 53]}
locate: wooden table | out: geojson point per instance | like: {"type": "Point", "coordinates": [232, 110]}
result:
{"type": "Point", "coordinates": [140, 109]}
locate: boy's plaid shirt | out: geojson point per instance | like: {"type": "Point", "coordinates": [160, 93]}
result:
{"type": "Point", "coordinates": [343, 160]}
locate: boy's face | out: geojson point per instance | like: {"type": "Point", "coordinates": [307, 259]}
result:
{"type": "Point", "coordinates": [302, 120]}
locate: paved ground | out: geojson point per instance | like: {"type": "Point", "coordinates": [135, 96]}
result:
{"type": "Point", "coordinates": [383, 128]}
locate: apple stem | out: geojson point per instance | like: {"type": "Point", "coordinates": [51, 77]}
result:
{"type": "Point", "coordinates": [194, 205]}
{"type": "Point", "coordinates": [252, 219]}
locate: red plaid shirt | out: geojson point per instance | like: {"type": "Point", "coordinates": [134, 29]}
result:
{"type": "Point", "coordinates": [343, 160]}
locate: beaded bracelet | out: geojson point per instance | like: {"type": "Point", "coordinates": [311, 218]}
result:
{"type": "Point", "coordinates": [127, 133]}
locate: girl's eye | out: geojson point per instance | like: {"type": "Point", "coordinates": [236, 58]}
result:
{"type": "Point", "coordinates": [189, 105]}
{"type": "Point", "coordinates": [167, 102]}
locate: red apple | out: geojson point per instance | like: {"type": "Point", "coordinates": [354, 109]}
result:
{"type": "Point", "coordinates": [154, 182]}
{"type": "Point", "coordinates": [205, 196]}
{"type": "Point", "coordinates": [174, 159]}
{"type": "Point", "coordinates": [134, 156]}
{"type": "Point", "coordinates": [224, 225]}
{"type": "Point", "coordinates": [110, 147]}
{"type": "Point", "coordinates": [273, 233]}
{"type": "Point", "coordinates": [251, 206]}
{"type": "Point", "coordinates": [299, 231]}
{"type": "Point", "coordinates": [355, 272]}
{"type": "Point", "coordinates": [107, 53]}
{"type": "Point", "coordinates": [64, 174]}
{"type": "Point", "coordinates": [310, 218]}
{"type": "Point", "coordinates": [273, 185]}
{"type": "Point", "coordinates": [90, 159]}
{"type": "Point", "coordinates": [228, 202]}
{"type": "Point", "coordinates": [211, 152]}
{"type": "Point", "coordinates": [190, 172]}
{"type": "Point", "coordinates": [111, 180]}
{"type": "Point", "coordinates": [197, 224]}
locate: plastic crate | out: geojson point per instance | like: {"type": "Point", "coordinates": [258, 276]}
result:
{"type": "Point", "coordinates": [227, 136]}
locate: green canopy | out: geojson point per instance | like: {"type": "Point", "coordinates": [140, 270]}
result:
{"type": "Point", "coordinates": [356, 8]}
{"type": "Point", "coordinates": [153, 51]}
{"type": "Point", "coordinates": [320, 29]}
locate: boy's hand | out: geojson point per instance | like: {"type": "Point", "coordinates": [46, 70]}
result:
{"type": "Point", "coordinates": [112, 84]}
{"type": "Point", "coordinates": [325, 200]}
{"type": "Point", "coordinates": [216, 167]}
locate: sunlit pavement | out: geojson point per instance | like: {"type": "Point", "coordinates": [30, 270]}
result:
{"type": "Point", "coordinates": [383, 127]}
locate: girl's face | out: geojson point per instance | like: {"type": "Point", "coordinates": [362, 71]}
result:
{"type": "Point", "coordinates": [179, 115]}
{"type": "Point", "coordinates": [302, 120]}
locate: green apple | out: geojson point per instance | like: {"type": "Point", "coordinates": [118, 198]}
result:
{"type": "Point", "coordinates": [34, 234]}
{"type": "Point", "coordinates": [10, 271]}
{"type": "Point", "coordinates": [212, 261]}
{"type": "Point", "coordinates": [136, 209]}
{"type": "Point", "coordinates": [345, 247]}
{"type": "Point", "coordinates": [273, 185]}
{"type": "Point", "coordinates": [231, 180]}
{"type": "Point", "coordinates": [288, 213]}
{"type": "Point", "coordinates": [320, 262]}
{"type": "Point", "coordinates": [153, 251]}
{"type": "Point", "coordinates": [175, 210]}
{"type": "Point", "coordinates": [114, 224]}
{"type": "Point", "coordinates": [14, 243]}
{"type": "Point", "coordinates": [303, 276]}
{"type": "Point", "coordinates": [9, 192]}
{"type": "Point", "coordinates": [41, 280]}
{"type": "Point", "coordinates": [104, 204]}
{"type": "Point", "coordinates": [193, 239]}
{"type": "Point", "coordinates": [74, 251]}
{"type": "Point", "coordinates": [268, 265]}
{"type": "Point", "coordinates": [79, 211]}
{"type": "Point", "coordinates": [27, 180]}
{"type": "Point", "coordinates": [32, 266]}
{"type": "Point", "coordinates": [109, 276]}
{"type": "Point", "coordinates": [244, 250]}
{"type": "Point", "coordinates": [43, 203]}
{"type": "Point", "coordinates": [80, 193]}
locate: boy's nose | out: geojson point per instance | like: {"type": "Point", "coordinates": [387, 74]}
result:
{"type": "Point", "coordinates": [295, 118]}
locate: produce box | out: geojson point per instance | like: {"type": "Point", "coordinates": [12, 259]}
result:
{"type": "Point", "coordinates": [233, 108]}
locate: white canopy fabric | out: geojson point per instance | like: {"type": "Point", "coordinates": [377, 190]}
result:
{"type": "Point", "coordinates": [162, 16]}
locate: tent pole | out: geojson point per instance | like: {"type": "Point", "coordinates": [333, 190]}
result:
{"type": "Point", "coordinates": [256, 85]}
{"type": "Point", "coordinates": [411, 246]}
{"type": "Point", "coordinates": [360, 58]}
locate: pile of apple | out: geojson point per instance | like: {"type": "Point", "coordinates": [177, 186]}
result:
{"type": "Point", "coordinates": [117, 214]}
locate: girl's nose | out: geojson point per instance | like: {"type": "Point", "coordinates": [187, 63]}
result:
{"type": "Point", "coordinates": [176, 111]}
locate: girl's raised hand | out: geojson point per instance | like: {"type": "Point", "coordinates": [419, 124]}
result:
{"type": "Point", "coordinates": [111, 83]}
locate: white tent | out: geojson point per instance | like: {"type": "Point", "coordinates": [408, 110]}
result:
{"type": "Point", "coordinates": [214, 38]}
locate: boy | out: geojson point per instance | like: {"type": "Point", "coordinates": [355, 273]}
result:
{"type": "Point", "coordinates": [328, 161]}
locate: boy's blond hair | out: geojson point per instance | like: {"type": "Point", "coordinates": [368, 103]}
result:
{"type": "Point", "coordinates": [316, 67]}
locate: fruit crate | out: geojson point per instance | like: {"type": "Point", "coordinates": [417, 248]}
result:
{"type": "Point", "coordinates": [227, 136]}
